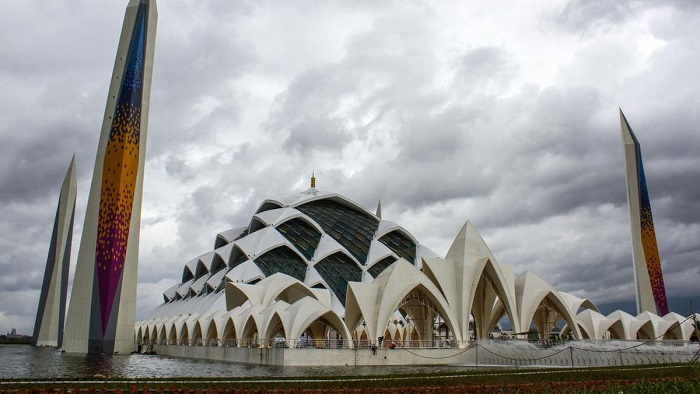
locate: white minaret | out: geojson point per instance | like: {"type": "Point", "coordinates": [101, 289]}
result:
{"type": "Point", "coordinates": [102, 311]}
{"type": "Point", "coordinates": [648, 279]}
{"type": "Point", "coordinates": [48, 328]}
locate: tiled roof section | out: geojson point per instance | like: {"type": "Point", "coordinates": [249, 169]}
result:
{"type": "Point", "coordinates": [302, 235]}
{"type": "Point", "coordinates": [381, 265]}
{"type": "Point", "coordinates": [401, 245]}
{"type": "Point", "coordinates": [351, 228]}
{"type": "Point", "coordinates": [282, 259]}
{"type": "Point", "coordinates": [337, 270]}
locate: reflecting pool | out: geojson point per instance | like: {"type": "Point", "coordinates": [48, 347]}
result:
{"type": "Point", "coordinates": [22, 361]}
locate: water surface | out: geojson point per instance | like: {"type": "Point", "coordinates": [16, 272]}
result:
{"type": "Point", "coordinates": [26, 362]}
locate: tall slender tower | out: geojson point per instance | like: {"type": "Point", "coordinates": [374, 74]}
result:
{"type": "Point", "coordinates": [102, 310]}
{"type": "Point", "coordinates": [651, 293]}
{"type": "Point", "coordinates": [48, 328]}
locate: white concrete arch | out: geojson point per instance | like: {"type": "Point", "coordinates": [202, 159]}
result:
{"type": "Point", "coordinates": [327, 247]}
{"type": "Point", "coordinates": [230, 324]}
{"type": "Point", "coordinates": [386, 226]}
{"type": "Point", "coordinates": [494, 283]}
{"type": "Point", "coordinates": [251, 322]}
{"type": "Point", "coordinates": [184, 289]}
{"type": "Point", "coordinates": [139, 335]}
{"type": "Point", "coordinates": [215, 280]}
{"type": "Point", "coordinates": [246, 272]}
{"type": "Point", "coordinates": [269, 204]}
{"type": "Point", "coordinates": [378, 251]}
{"type": "Point", "coordinates": [533, 294]}
{"type": "Point", "coordinates": [226, 237]}
{"type": "Point", "coordinates": [170, 294]}
{"type": "Point", "coordinates": [681, 327]}
{"type": "Point", "coordinates": [275, 287]}
{"type": "Point", "coordinates": [653, 326]}
{"type": "Point", "coordinates": [306, 311]}
{"type": "Point", "coordinates": [376, 302]}
{"type": "Point", "coordinates": [593, 324]}
{"type": "Point", "coordinates": [273, 318]}
{"type": "Point", "coordinates": [198, 285]}
{"type": "Point", "coordinates": [575, 303]}
{"type": "Point", "coordinates": [263, 240]}
{"type": "Point", "coordinates": [624, 326]}
{"type": "Point", "coordinates": [468, 263]}
{"type": "Point", "coordinates": [203, 264]}
{"type": "Point", "coordinates": [189, 270]}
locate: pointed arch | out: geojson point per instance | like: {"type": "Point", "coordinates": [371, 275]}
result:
{"type": "Point", "coordinates": [376, 302]}
{"type": "Point", "coordinates": [537, 301]}
{"type": "Point", "coordinates": [197, 334]}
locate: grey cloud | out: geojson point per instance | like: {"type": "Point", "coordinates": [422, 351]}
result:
{"type": "Point", "coordinates": [485, 69]}
{"type": "Point", "coordinates": [583, 15]}
{"type": "Point", "coordinates": [586, 16]}
{"type": "Point", "coordinates": [441, 129]}
{"type": "Point", "coordinates": [321, 134]}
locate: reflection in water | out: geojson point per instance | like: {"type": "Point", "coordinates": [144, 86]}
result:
{"type": "Point", "coordinates": [22, 361]}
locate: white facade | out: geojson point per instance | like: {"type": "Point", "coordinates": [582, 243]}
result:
{"type": "Point", "coordinates": [269, 284]}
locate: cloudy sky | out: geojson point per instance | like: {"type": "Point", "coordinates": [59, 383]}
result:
{"type": "Point", "coordinates": [503, 114]}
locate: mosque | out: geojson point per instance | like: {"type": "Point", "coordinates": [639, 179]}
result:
{"type": "Point", "coordinates": [312, 277]}
{"type": "Point", "coordinates": [317, 270]}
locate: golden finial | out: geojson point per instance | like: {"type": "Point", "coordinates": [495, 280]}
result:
{"type": "Point", "coordinates": [313, 179]}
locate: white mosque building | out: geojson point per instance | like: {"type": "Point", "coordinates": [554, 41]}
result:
{"type": "Point", "coordinates": [317, 270]}
{"type": "Point", "coordinates": [309, 271]}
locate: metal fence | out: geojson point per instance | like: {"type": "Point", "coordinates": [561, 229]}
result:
{"type": "Point", "coordinates": [514, 353]}
{"type": "Point", "coordinates": [586, 353]}
{"type": "Point", "coordinates": [307, 343]}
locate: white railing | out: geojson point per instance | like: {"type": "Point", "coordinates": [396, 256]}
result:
{"type": "Point", "coordinates": [307, 343]}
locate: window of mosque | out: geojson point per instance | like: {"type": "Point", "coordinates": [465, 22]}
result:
{"type": "Point", "coordinates": [255, 225]}
{"type": "Point", "coordinates": [217, 264]}
{"type": "Point", "coordinates": [237, 257]}
{"type": "Point", "coordinates": [401, 245]}
{"type": "Point", "coordinates": [187, 275]}
{"type": "Point", "coordinates": [201, 270]}
{"type": "Point", "coordinates": [302, 235]}
{"type": "Point", "coordinates": [337, 270]}
{"type": "Point", "coordinates": [268, 206]}
{"type": "Point", "coordinates": [351, 228]}
{"type": "Point", "coordinates": [284, 260]}
{"type": "Point", "coordinates": [381, 265]}
{"type": "Point", "coordinates": [243, 234]}
{"type": "Point", "coordinates": [220, 242]}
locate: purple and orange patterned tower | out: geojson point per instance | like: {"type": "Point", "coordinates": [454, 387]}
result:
{"type": "Point", "coordinates": [101, 314]}
{"type": "Point", "coordinates": [650, 290]}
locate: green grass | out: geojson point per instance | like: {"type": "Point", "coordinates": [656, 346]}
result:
{"type": "Point", "coordinates": [667, 378]}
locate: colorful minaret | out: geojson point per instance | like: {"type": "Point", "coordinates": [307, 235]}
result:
{"type": "Point", "coordinates": [101, 315]}
{"type": "Point", "coordinates": [650, 290]}
{"type": "Point", "coordinates": [48, 328]}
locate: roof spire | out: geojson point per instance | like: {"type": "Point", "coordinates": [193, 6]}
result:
{"type": "Point", "coordinates": [379, 210]}
{"type": "Point", "coordinates": [313, 179]}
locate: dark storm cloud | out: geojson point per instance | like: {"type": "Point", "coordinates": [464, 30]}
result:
{"type": "Point", "coordinates": [384, 100]}
{"type": "Point", "coordinates": [321, 134]}
{"type": "Point", "coordinates": [587, 15]}
{"type": "Point", "coordinates": [194, 77]}
{"type": "Point", "coordinates": [582, 15]}
{"type": "Point", "coordinates": [484, 68]}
